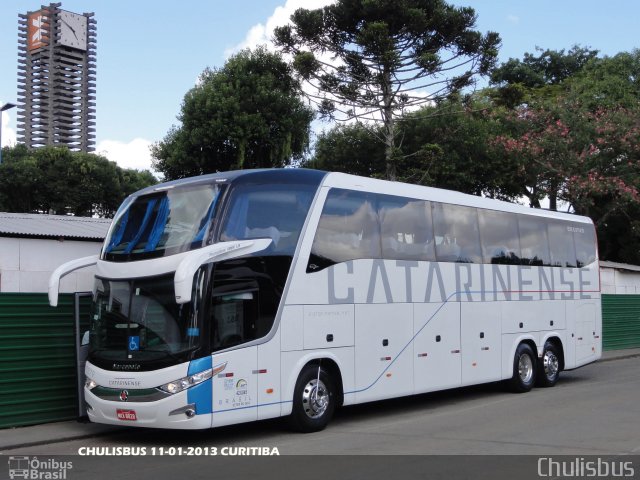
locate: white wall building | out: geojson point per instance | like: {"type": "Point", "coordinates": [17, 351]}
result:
{"type": "Point", "coordinates": [33, 246]}
{"type": "Point", "coordinates": [619, 278]}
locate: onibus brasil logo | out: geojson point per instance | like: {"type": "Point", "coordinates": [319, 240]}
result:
{"type": "Point", "coordinates": [33, 468]}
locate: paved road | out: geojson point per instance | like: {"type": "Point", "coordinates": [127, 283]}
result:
{"type": "Point", "coordinates": [593, 410]}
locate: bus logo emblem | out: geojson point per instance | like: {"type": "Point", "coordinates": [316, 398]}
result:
{"type": "Point", "coordinates": [124, 396]}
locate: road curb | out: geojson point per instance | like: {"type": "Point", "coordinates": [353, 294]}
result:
{"type": "Point", "coordinates": [50, 442]}
{"type": "Point", "coordinates": [61, 439]}
{"type": "Point", "coordinates": [620, 357]}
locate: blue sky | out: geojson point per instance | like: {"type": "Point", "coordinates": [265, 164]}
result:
{"type": "Point", "coordinates": [151, 52]}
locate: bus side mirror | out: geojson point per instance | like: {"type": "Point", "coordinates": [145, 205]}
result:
{"type": "Point", "coordinates": [65, 269]}
{"type": "Point", "coordinates": [183, 279]}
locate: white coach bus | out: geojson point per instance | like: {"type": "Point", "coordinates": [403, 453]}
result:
{"type": "Point", "coordinates": [248, 295]}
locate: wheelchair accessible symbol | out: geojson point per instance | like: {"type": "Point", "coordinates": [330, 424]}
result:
{"type": "Point", "coordinates": [134, 343]}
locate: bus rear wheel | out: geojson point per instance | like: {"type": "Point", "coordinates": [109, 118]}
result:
{"type": "Point", "coordinates": [314, 400]}
{"type": "Point", "coordinates": [524, 369]}
{"type": "Point", "coordinates": [549, 366]}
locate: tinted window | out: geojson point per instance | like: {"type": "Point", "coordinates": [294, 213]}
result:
{"type": "Point", "coordinates": [563, 253]}
{"type": "Point", "coordinates": [268, 211]}
{"type": "Point", "coordinates": [405, 228]}
{"type": "Point", "coordinates": [234, 318]}
{"type": "Point", "coordinates": [534, 245]}
{"type": "Point", "coordinates": [500, 239]}
{"type": "Point", "coordinates": [456, 233]}
{"type": "Point", "coordinates": [348, 229]}
{"type": "Point", "coordinates": [164, 223]}
{"type": "Point", "coordinates": [584, 238]}
{"type": "Point", "coordinates": [246, 293]}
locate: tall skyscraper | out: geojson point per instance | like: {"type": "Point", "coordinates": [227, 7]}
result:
{"type": "Point", "coordinates": [57, 78]}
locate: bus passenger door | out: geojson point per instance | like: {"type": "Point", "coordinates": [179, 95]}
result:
{"type": "Point", "coordinates": [235, 388]}
{"type": "Point", "coordinates": [436, 354]}
{"type": "Point", "coordinates": [234, 314]}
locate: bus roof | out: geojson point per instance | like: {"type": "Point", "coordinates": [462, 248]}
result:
{"type": "Point", "coordinates": [347, 181]}
{"type": "Point", "coordinates": [265, 175]}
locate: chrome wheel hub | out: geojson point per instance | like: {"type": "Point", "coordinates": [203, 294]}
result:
{"type": "Point", "coordinates": [525, 368]}
{"type": "Point", "coordinates": [550, 363]}
{"type": "Point", "coordinates": [315, 398]}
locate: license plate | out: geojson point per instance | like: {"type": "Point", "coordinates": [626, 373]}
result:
{"type": "Point", "coordinates": [129, 415]}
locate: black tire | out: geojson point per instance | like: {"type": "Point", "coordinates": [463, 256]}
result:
{"type": "Point", "coordinates": [549, 366]}
{"type": "Point", "coordinates": [311, 413]}
{"type": "Point", "coordinates": [524, 369]}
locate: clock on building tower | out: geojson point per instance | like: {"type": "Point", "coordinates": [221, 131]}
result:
{"type": "Point", "coordinates": [73, 30]}
{"type": "Point", "coordinates": [57, 78]}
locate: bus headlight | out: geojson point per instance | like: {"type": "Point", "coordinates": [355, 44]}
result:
{"type": "Point", "coordinates": [90, 384]}
{"type": "Point", "coordinates": [183, 383]}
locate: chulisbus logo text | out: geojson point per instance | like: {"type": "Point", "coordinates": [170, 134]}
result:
{"type": "Point", "coordinates": [33, 468]}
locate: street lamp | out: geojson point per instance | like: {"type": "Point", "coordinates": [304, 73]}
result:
{"type": "Point", "coordinates": [4, 107]}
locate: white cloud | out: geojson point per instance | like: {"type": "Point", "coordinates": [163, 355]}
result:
{"type": "Point", "coordinates": [262, 33]}
{"type": "Point", "coordinates": [134, 154]}
{"type": "Point", "coordinates": [513, 19]}
{"type": "Point", "coordinates": [8, 134]}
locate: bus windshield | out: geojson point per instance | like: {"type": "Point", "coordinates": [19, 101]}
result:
{"type": "Point", "coordinates": [162, 223]}
{"type": "Point", "coordinates": [139, 320]}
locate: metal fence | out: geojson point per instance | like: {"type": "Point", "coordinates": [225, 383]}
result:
{"type": "Point", "coordinates": [620, 321]}
{"type": "Point", "coordinates": [38, 379]}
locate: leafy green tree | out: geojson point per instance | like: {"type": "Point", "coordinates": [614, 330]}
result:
{"type": "Point", "coordinates": [386, 56]}
{"type": "Point", "coordinates": [132, 180]}
{"type": "Point", "coordinates": [448, 146]}
{"type": "Point", "coordinates": [577, 145]}
{"type": "Point", "coordinates": [605, 184]}
{"type": "Point", "coordinates": [445, 145]}
{"type": "Point", "coordinates": [20, 180]}
{"type": "Point", "coordinates": [248, 114]}
{"type": "Point", "coordinates": [538, 75]}
{"type": "Point", "coordinates": [54, 179]}
{"type": "Point", "coordinates": [608, 82]}
{"type": "Point", "coordinates": [354, 149]}
{"type": "Point", "coordinates": [549, 67]}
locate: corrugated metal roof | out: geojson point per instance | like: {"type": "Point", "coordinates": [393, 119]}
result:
{"type": "Point", "coordinates": [620, 266]}
{"type": "Point", "coordinates": [53, 226]}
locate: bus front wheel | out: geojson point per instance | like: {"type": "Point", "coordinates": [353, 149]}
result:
{"type": "Point", "coordinates": [524, 369]}
{"type": "Point", "coordinates": [314, 400]}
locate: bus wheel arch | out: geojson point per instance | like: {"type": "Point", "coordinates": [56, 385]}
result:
{"type": "Point", "coordinates": [317, 393]}
{"type": "Point", "coordinates": [336, 375]}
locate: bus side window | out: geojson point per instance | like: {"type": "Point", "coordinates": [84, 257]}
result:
{"type": "Point", "coordinates": [348, 230]}
{"type": "Point", "coordinates": [406, 229]}
{"type": "Point", "coordinates": [563, 253]}
{"type": "Point", "coordinates": [268, 212]}
{"type": "Point", "coordinates": [233, 317]}
{"type": "Point", "coordinates": [500, 239]}
{"type": "Point", "coordinates": [584, 238]}
{"type": "Point", "coordinates": [456, 232]}
{"type": "Point", "coordinates": [533, 241]}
